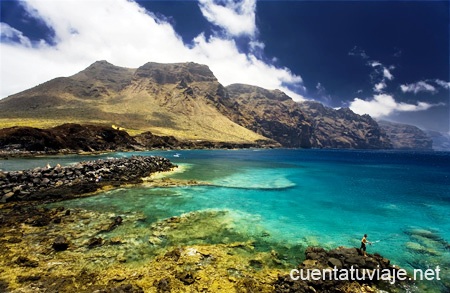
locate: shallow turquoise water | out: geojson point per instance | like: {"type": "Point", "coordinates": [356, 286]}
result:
{"type": "Point", "coordinates": [307, 197]}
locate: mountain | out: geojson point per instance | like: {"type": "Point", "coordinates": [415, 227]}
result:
{"type": "Point", "coordinates": [404, 136]}
{"type": "Point", "coordinates": [441, 141]}
{"type": "Point", "coordinates": [307, 124]}
{"type": "Point", "coordinates": [185, 101]}
{"type": "Point", "coordinates": [270, 113]}
{"type": "Point", "coordinates": [166, 99]}
{"type": "Point", "coordinates": [342, 128]}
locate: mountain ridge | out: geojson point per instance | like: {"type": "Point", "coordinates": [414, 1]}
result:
{"type": "Point", "coordinates": [186, 101]}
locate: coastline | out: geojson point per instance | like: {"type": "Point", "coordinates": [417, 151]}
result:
{"type": "Point", "coordinates": [59, 183]}
{"type": "Point", "coordinates": [117, 270]}
{"type": "Point", "coordinates": [59, 249]}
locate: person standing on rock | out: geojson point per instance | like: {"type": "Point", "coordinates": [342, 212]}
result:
{"type": "Point", "coordinates": [364, 241]}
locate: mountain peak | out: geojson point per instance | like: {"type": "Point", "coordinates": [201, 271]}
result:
{"type": "Point", "coordinates": [173, 73]}
{"type": "Point", "coordinates": [103, 70]}
{"type": "Point", "coordinates": [258, 92]}
{"type": "Point", "coordinates": [101, 62]}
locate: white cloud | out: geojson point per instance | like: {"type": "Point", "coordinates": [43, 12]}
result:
{"type": "Point", "coordinates": [383, 105]}
{"type": "Point", "coordinates": [230, 66]}
{"type": "Point", "coordinates": [380, 75]}
{"type": "Point", "coordinates": [125, 34]}
{"type": "Point", "coordinates": [420, 86]}
{"type": "Point", "coordinates": [387, 74]}
{"type": "Point", "coordinates": [10, 34]}
{"type": "Point", "coordinates": [444, 84]}
{"type": "Point", "coordinates": [379, 87]}
{"type": "Point", "coordinates": [374, 63]}
{"type": "Point", "coordinates": [236, 17]}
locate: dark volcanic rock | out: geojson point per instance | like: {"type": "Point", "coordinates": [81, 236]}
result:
{"type": "Point", "coordinates": [75, 138]}
{"type": "Point", "coordinates": [125, 288]}
{"type": "Point", "coordinates": [343, 128]}
{"type": "Point", "coordinates": [150, 140]}
{"type": "Point", "coordinates": [272, 114]}
{"type": "Point", "coordinates": [117, 221]}
{"type": "Point", "coordinates": [338, 259]}
{"type": "Point", "coordinates": [405, 136]}
{"type": "Point", "coordinates": [163, 285]}
{"type": "Point", "coordinates": [307, 124]}
{"type": "Point", "coordinates": [60, 243]}
{"type": "Point", "coordinates": [186, 277]}
{"type": "Point", "coordinates": [65, 138]}
{"type": "Point", "coordinates": [24, 261]}
{"type": "Point", "coordinates": [85, 177]}
{"type": "Point", "coordinates": [29, 139]}
{"type": "Point", "coordinates": [93, 242]}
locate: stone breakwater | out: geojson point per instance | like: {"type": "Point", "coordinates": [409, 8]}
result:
{"type": "Point", "coordinates": [58, 183]}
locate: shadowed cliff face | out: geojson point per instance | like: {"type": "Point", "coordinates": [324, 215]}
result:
{"type": "Point", "coordinates": [343, 128]}
{"type": "Point", "coordinates": [270, 113]}
{"type": "Point", "coordinates": [405, 136]}
{"type": "Point", "coordinates": [306, 124]}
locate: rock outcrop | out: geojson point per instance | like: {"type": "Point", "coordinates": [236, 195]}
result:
{"type": "Point", "coordinates": [307, 124]}
{"type": "Point", "coordinates": [348, 261]}
{"type": "Point", "coordinates": [343, 128]}
{"type": "Point", "coordinates": [405, 136]}
{"type": "Point", "coordinates": [272, 114]}
{"type": "Point", "coordinates": [76, 138]}
{"type": "Point", "coordinates": [66, 138]}
{"type": "Point", "coordinates": [58, 183]}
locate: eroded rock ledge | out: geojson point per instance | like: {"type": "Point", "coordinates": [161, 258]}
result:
{"type": "Point", "coordinates": [344, 260]}
{"type": "Point", "coordinates": [58, 183]}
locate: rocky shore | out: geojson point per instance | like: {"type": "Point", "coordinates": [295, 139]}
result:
{"type": "Point", "coordinates": [343, 260]}
{"type": "Point", "coordinates": [56, 248]}
{"type": "Point", "coordinates": [71, 138]}
{"type": "Point", "coordinates": [59, 183]}
{"type": "Point", "coordinates": [59, 249]}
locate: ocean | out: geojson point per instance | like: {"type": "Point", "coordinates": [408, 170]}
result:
{"type": "Point", "coordinates": [288, 199]}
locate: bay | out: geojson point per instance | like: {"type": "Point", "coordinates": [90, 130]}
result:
{"type": "Point", "coordinates": [296, 198]}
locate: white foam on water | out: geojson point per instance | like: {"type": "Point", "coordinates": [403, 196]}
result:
{"type": "Point", "coordinates": [255, 179]}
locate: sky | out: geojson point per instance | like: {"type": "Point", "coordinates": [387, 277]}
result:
{"type": "Point", "coordinates": [388, 59]}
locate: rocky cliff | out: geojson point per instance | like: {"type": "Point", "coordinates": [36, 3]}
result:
{"type": "Point", "coordinates": [405, 136]}
{"type": "Point", "coordinates": [66, 137]}
{"type": "Point", "coordinates": [184, 101]}
{"type": "Point", "coordinates": [307, 124]}
{"type": "Point", "coordinates": [270, 113]}
{"type": "Point", "coordinates": [75, 138]}
{"type": "Point", "coordinates": [441, 141]}
{"type": "Point", "coordinates": [343, 128]}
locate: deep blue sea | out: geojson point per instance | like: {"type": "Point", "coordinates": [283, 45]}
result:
{"type": "Point", "coordinates": [401, 199]}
